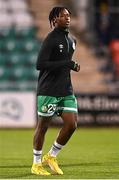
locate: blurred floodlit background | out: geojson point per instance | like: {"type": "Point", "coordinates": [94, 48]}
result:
{"type": "Point", "coordinates": [23, 26]}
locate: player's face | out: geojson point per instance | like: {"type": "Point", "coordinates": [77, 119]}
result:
{"type": "Point", "coordinates": [64, 19]}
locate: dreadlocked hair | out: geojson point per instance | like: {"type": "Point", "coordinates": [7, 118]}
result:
{"type": "Point", "coordinates": [55, 13]}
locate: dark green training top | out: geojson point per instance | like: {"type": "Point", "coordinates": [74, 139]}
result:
{"type": "Point", "coordinates": [55, 62]}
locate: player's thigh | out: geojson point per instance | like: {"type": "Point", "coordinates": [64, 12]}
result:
{"type": "Point", "coordinates": [70, 119]}
{"type": "Point", "coordinates": [69, 110]}
{"type": "Point", "coordinates": [43, 123]}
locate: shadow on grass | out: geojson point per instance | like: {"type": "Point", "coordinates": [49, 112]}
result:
{"type": "Point", "coordinates": [63, 165]}
{"type": "Point", "coordinates": [27, 173]}
{"type": "Point", "coordinates": [18, 176]}
{"type": "Point", "coordinates": [16, 166]}
{"type": "Point", "coordinates": [91, 164]}
{"type": "Point", "coordinates": [81, 164]}
{"type": "Point", "coordinates": [12, 175]}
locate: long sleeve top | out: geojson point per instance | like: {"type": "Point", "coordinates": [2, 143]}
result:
{"type": "Point", "coordinates": [55, 63]}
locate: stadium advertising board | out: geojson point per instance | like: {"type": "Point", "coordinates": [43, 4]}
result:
{"type": "Point", "coordinates": [100, 109]}
{"type": "Point", "coordinates": [17, 109]}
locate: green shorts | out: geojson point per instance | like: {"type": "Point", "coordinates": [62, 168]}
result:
{"type": "Point", "coordinates": [49, 106]}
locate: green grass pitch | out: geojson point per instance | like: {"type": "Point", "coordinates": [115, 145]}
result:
{"type": "Point", "coordinates": [91, 153]}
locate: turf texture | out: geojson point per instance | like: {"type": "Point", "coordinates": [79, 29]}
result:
{"type": "Point", "coordinates": [91, 153]}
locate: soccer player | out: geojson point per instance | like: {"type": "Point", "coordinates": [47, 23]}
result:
{"type": "Point", "coordinates": [54, 92]}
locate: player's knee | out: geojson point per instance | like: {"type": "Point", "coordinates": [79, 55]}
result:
{"type": "Point", "coordinates": [43, 126]}
{"type": "Point", "coordinates": [72, 126]}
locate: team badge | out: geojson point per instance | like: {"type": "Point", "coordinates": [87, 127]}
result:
{"type": "Point", "coordinates": [44, 109]}
{"type": "Point", "coordinates": [73, 45]}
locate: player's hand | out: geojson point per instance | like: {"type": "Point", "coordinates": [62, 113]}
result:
{"type": "Point", "coordinates": [76, 67]}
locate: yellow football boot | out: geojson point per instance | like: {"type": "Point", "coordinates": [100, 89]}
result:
{"type": "Point", "coordinates": [52, 163]}
{"type": "Point", "coordinates": [39, 170]}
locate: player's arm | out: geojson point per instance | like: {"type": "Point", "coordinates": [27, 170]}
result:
{"type": "Point", "coordinates": [51, 65]}
{"type": "Point", "coordinates": [44, 56]}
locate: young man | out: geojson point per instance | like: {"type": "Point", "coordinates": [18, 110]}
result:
{"type": "Point", "coordinates": [54, 93]}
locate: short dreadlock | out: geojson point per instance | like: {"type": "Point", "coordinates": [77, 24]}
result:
{"type": "Point", "coordinates": [55, 13]}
